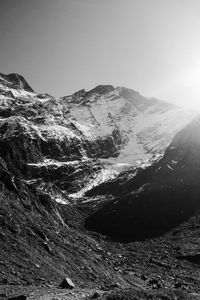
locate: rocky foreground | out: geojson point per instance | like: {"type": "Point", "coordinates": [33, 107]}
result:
{"type": "Point", "coordinates": [77, 199]}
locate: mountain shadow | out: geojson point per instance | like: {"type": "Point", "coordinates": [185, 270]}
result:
{"type": "Point", "coordinates": [145, 215]}
{"type": "Point", "coordinates": [158, 198]}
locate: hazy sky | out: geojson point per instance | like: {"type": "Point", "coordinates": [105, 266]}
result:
{"type": "Point", "coordinates": [61, 46]}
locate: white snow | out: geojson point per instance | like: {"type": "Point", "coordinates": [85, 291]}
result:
{"type": "Point", "coordinates": [104, 175]}
{"type": "Point", "coordinates": [59, 132]}
{"type": "Point", "coordinates": [51, 162]}
{"type": "Point", "coordinates": [61, 201]}
{"type": "Point", "coordinates": [148, 130]}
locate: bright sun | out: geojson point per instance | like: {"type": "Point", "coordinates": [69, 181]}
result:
{"type": "Point", "coordinates": [184, 87]}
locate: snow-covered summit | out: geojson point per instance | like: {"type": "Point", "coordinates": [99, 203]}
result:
{"type": "Point", "coordinates": [147, 125]}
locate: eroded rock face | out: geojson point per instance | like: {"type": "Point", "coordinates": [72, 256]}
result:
{"type": "Point", "coordinates": [15, 81]}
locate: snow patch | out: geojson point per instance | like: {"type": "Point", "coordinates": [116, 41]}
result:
{"type": "Point", "coordinates": [104, 175]}
{"type": "Point", "coordinates": [61, 201]}
{"type": "Point", "coordinates": [51, 162]}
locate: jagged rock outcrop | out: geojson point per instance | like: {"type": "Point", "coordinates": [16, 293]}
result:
{"type": "Point", "coordinates": [15, 81]}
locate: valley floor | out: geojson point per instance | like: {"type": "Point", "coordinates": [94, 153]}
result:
{"type": "Point", "coordinates": [166, 267]}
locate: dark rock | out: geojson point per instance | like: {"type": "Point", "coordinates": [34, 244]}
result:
{"type": "Point", "coordinates": [67, 284]}
{"type": "Point", "coordinates": [101, 89]}
{"type": "Point", "coordinates": [143, 277]}
{"type": "Point", "coordinates": [178, 285]}
{"type": "Point", "coordinates": [154, 283]}
{"type": "Point", "coordinates": [5, 281]}
{"type": "Point", "coordinates": [95, 295]}
{"type": "Point", "coordinates": [46, 247]}
{"type": "Point", "coordinates": [115, 285]}
{"type": "Point", "coordinates": [21, 297]}
{"type": "Point", "coordinates": [193, 258]}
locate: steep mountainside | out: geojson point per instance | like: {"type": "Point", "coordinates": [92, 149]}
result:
{"type": "Point", "coordinates": [42, 144]}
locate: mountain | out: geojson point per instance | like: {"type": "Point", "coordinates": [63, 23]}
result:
{"type": "Point", "coordinates": [45, 142]}
{"type": "Point", "coordinates": [146, 125]}
{"type": "Point", "coordinates": [96, 160]}
{"type": "Point", "coordinates": [67, 145]}
{"type": "Point", "coordinates": [44, 155]}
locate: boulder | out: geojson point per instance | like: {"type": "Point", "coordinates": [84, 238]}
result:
{"type": "Point", "coordinates": [66, 284]}
{"type": "Point", "coordinates": [95, 295]}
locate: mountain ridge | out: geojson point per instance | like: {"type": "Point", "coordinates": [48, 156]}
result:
{"type": "Point", "coordinates": [119, 127]}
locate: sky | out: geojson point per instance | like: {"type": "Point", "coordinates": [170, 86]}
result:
{"type": "Point", "coordinates": [62, 46]}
